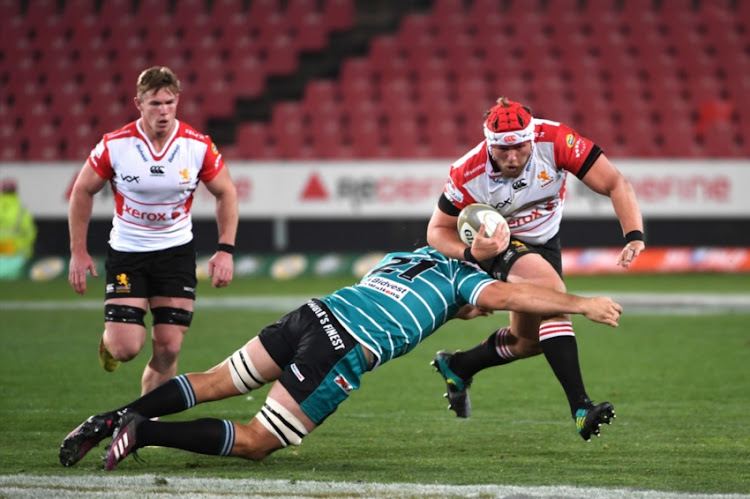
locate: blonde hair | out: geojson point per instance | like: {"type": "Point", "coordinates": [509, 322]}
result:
{"type": "Point", "coordinates": [156, 78]}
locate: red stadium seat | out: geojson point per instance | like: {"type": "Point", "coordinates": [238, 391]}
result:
{"type": "Point", "coordinates": [282, 56]}
{"type": "Point", "coordinates": [263, 10]}
{"type": "Point", "coordinates": [253, 142]}
{"type": "Point", "coordinates": [339, 15]}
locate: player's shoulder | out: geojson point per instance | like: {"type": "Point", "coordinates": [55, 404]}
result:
{"type": "Point", "coordinates": [185, 130]}
{"type": "Point", "coordinates": [548, 130]}
{"type": "Point", "coordinates": [129, 130]}
{"type": "Point", "coordinates": [558, 135]}
{"type": "Point", "coordinates": [471, 164]}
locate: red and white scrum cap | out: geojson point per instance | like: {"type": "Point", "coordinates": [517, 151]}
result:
{"type": "Point", "coordinates": [507, 124]}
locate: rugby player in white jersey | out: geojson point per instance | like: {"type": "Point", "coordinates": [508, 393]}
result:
{"type": "Point", "coordinates": [153, 166]}
{"type": "Point", "coordinates": [520, 169]}
{"type": "Point", "coordinates": [317, 355]}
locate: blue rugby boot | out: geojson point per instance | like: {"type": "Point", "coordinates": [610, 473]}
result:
{"type": "Point", "coordinates": [457, 396]}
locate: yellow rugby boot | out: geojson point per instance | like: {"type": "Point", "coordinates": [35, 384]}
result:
{"type": "Point", "coordinates": [108, 362]}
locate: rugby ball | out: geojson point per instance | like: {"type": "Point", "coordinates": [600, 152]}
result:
{"type": "Point", "coordinates": [473, 216]}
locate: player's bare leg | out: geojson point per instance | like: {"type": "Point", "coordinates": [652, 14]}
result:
{"type": "Point", "coordinates": [171, 317]}
{"type": "Point", "coordinates": [124, 331]}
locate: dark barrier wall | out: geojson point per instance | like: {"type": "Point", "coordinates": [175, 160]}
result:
{"type": "Point", "coordinates": [347, 235]}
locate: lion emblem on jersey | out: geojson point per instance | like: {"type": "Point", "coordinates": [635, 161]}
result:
{"type": "Point", "coordinates": [122, 279]}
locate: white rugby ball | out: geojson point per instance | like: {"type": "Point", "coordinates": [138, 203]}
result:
{"type": "Point", "coordinates": [473, 216]}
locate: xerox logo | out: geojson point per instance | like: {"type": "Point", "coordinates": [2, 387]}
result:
{"type": "Point", "coordinates": [150, 216]}
{"type": "Point", "coordinates": [157, 170]}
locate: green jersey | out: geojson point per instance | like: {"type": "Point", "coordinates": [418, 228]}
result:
{"type": "Point", "coordinates": [404, 299]}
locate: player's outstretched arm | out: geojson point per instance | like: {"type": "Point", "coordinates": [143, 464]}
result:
{"type": "Point", "coordinates": [544, 301]}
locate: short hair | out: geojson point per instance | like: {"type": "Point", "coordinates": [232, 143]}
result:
{"type": "Point", "coordinates": [156, 78]}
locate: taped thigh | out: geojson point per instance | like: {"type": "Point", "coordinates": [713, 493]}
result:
{"type": "Point", "coordinates": [114, 312]}
{"type": "Point", "coordinates": [171, 315]}
{"type": "Point", "coordinates": [281, 423]}
{"type": "Point", "coordinates": [244, 373]}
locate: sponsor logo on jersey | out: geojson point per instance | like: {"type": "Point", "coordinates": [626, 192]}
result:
{"type": "Point", "coordinates": [502, 204]}
{"type": "Point", "coordinates": [519, 221]}
{"type": "Point", "coordinates": [296, 372]}
{"type": "Point", "coordinates": [110, 288]}
{"type": "Point", "coordinates": [580, 148]}
{"type": "Point", "coordinates": [185, 175]}
{"type": "Point", "coordinates": [123, 283]}
{"type": "Point", "coordinates": [194, 134]}
{"type": "Point", "coordinates": [174, 153]}
{"type": "Point", "coordinates": [130, 178]}
{"type": "Point", "coordinates": [453, 193]}
{"type": "Point", "coordinates": [139, 147]}
{"type": "Point", "coordinates": [544, 179]}
{"type": "Point", "coordinates": [474, 170]}
{"type": "Point", "coordinates": [214, 149]}
{"type": "Point", "coordinates": [387, 287]}
{"type": "Point", "coordinates": [157, 170]}
{"type": "Point", "coordinates": [570, 140]}
{"type": "Point", "coordinates": [151, 216]}
{"type": "Point", "coordinates": [520, 184]}
{"type": "Point", "coordinates": [343, 383]}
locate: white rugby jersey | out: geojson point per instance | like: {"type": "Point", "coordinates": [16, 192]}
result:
{"type": "Point", "coordinates": [532, 203]}
{"type": "Point", "coordinates": [154, 191]}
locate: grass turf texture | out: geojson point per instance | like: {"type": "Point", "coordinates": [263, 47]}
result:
{"type": "Point", "coordinates": [677, 383]}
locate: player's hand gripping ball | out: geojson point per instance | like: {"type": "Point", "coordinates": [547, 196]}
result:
{"type": "Point", "coordinates": [473, 216]}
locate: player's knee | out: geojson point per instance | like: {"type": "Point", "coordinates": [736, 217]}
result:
{"type": "Point", "coordinates": [254, 442]}
{"type": "Point", "coordinates": [124, 347]}
{"type": "Point", "coordinates": [245, 375]}
{"type": "Point", "coordinates": [115, 312]}
{"type": "Point", "coordinates": [172, 315]}
{"type": "Point", "coordinates": [281, 423]}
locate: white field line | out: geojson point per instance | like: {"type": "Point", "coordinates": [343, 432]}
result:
{"type": "Point", "coordinates": [633, 303]}
{"type": "Point", "coordinates": [156, 487]}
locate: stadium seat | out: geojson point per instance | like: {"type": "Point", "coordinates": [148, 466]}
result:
{"type": "Point", "coordinates": [339, 15]}
{"type": "Point", "coordinates": [252, 141]}
{"type": "Point", "coordinates": [281, 58]}
{"type": "Point", "coordinates": [246, 76]}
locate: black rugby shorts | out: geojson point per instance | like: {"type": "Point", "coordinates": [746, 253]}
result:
{"type": "Point", "coordinates": [169, 272]}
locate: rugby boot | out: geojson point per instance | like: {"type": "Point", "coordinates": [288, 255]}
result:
{"type": "Point", "coordinates": [108, 362]}
{"type": "Point", "coordinates": [87, 436]}
{"type": "Point", "coordinates": [457, 395]}
{"type": "Point", "coordinates": [124, 440]}
{"type": "Point", "coordinates": [590, 419]}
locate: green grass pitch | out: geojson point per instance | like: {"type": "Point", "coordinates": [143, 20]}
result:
{"type": "Point", "coordinates": [679, 384]}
